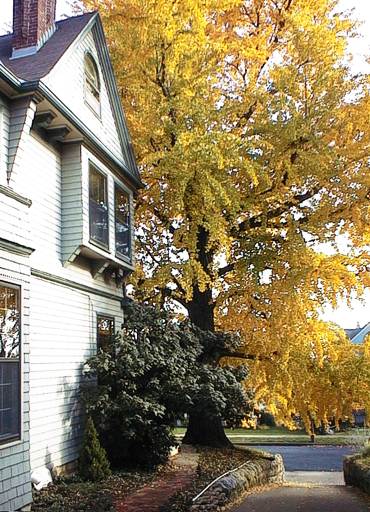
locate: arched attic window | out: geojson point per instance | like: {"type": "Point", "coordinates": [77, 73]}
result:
{"type": "Point", "coordinates": [92, 83]}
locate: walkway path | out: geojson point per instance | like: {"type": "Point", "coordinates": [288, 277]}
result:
{"type": "Point", "coordinates": [150, 498]}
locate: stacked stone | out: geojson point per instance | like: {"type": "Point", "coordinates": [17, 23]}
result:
{"type": "Point", "coordinates": [265, 470]}
{"type": "Point", "coordinates": [357, 472]}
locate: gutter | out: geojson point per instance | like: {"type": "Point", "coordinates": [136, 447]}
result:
{"type": "Point", "coordinates": [73, 119]}
{"type": "Point", "coordinates": [10, 78]}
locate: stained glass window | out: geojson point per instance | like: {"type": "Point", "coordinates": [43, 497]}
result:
{"type": "Point", "coordinates": [105, 331]}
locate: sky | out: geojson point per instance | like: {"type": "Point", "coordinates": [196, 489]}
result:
{"type": "Point", "coordinates": [359, 313]}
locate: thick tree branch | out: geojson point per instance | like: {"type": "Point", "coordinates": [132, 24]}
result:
{"type": "Point", "coordinates": [171, 294]}
{"type": "Point", "coordinates": [257, 220]}
{"type": "Point", "coordinates": [247, 357]}
{"type": "Point", "coordinates": [226, 269]}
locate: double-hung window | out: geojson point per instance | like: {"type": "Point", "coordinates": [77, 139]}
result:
{"type": "Point", "coordinates": [98, 205]}
{"type": "Point", "coordinates": [122, 222]}
{"type": "Point", "coordinates": [10, 371]}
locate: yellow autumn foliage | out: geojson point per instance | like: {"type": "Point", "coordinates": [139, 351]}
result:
{"type": "Point", "coordinates": [253, 140]}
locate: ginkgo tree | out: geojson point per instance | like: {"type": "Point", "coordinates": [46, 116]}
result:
{"type": "Point", "coordinates": [252, 137]}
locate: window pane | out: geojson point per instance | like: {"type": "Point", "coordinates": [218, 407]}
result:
{"type": "Point", "coordinates": [9, 322]}
{"type": "Point", "coordinates": [92, 84]}
{"type": "Point", "coordinates": [122, 221]}
{"type": "Point", "coordinates": [105, 331]}
{"type": "Point", "coordinates": [98, 184]}
{"type": "Point", "coordinates": [98, 207]}
{"type": "Point", "coordinates": [91, 72]}
{"type": "Point", "coordinates": [9, 400]}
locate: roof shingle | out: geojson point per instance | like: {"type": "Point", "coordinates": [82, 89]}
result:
{"type": "Point", "coordinates": [38, 65]}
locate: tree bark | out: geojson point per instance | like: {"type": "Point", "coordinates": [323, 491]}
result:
{"type": "Point", "coordinates": [201, 309]}
{"type": "Point", "coordinates": [204, 430]}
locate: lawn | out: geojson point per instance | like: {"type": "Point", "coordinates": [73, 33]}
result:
{"type": "Point", "coordinates": [281, 435]}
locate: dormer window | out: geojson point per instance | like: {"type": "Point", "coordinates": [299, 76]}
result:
{"type": "Point", "coordinates": [92, 84]}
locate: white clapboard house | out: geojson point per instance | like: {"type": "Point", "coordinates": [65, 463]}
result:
{"type": "Point", "coordinates": [67, 180]}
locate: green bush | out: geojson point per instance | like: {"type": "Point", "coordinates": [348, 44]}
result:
{"type": "Point", "coordinates": [152, 373]}
{"type": "Point", "coordinates": [93, 463]}
{"type": "Point", "coordinates": [365, 452]}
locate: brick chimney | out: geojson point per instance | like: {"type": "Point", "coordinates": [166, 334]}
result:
{"type": "Point", "coordinates": [33, 24]}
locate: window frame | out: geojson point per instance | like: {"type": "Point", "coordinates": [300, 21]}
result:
{"type": "Point", "coordinates": [120, 256]}
{"type": "Point", "coordinates": [93, 104]}
{"type": "Point", "coordinates": [107, 317]}
{"type": "Point", "coordinates": [97, 243]}
{"type": "Point", "coordinates": [13, 439]}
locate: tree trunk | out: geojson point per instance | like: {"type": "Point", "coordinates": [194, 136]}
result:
{"type": "Point", "coordinates": [202, 429]}
{"type": "Point", "coordinates": [206, 431]}
{"type": "Point", "coordinates": [201, 310]}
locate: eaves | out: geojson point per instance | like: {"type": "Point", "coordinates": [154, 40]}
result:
{"type": "Point", "coordinates": [39, 88]}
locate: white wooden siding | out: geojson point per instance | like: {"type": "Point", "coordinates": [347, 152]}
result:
{"type": "Point", "coordinates": [71, 92]}
{"type": "Point", "coordinates": [63, 336]}
{"type": "Point", "coordinates": [15, 484]}
{"type": "Point", "coordinates": [14, 223]}
{"type": "Point", "coordinates": [55, 218]}
{"type": "Point", "coordinates": [4, 130]}
{"type": "Point", "coordinates": [21, 116]}
{"type": "Point", "coordinates": [72, 220]}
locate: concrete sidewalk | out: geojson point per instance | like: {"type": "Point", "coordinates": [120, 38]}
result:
{"type": "Point", "coordinates": [315, 477]}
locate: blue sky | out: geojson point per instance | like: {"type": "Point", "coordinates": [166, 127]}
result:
{"type": "Point", "coordinates": [344, 316]}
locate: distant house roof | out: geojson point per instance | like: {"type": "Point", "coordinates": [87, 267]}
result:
{"type": "Point", "coordinates": [351, 333]}
{"type": "Point", "coordinates": [38, 65]}
{"type": "Point", "coordinates": [357, 335]}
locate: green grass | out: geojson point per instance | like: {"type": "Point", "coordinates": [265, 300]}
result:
{"type": "Point", "coordinates": [281, 435]}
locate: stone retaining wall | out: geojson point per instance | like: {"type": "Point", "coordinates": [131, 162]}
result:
{"type": "Point", "coordinates": [266, 469]}
{"type": "Point", "coordinates": [357, 472]}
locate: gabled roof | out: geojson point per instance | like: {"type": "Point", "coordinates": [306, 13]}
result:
{"type": "Point", "coordinates": [26, 74]}
{"type": "Point", "coordinates": [36, 66]}
{"type": "Point", "coordinates": [351, 333]}
{"type": "Point", "coordinates": [358, 335]}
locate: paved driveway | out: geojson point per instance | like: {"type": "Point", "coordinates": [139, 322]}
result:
{"type": "Point", "coordinates": [313, 473]}
{"type": "Point", "coordinates": [311, 458]}
{"type": "Point", "coordinates": [303, 499]}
